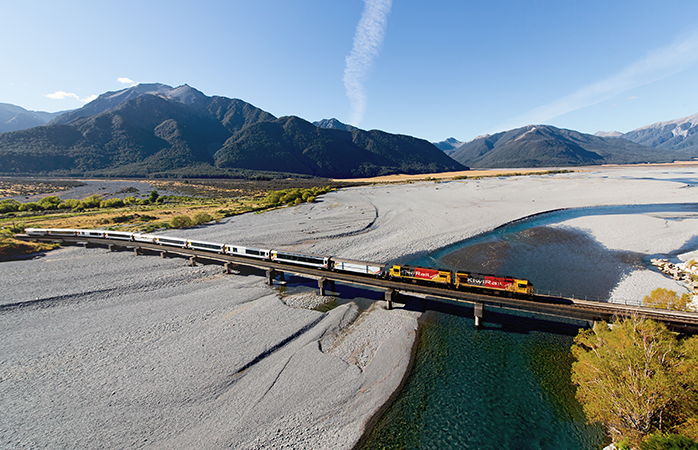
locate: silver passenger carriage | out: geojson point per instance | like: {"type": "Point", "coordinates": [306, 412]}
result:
{"type": "Point", "coordinates": [353, 266]}
{"type": "Point", "coordinates": [118, 235]}
{"type": "Point", "coordinates": [61, 232]}
{"type": "Point", "coordinates": [248, 252]}
{"type": "Point", "coordinates": [142, 237]}
{"type": "Point", "coordinates": [173, 241]}
{"type": "Point", "coordinates": [319, 262]}
{"type": "Point", "coordinates": [91, 233]}
{"type": "Point", "coordinates": [206, 246]}
{"type": "Point", "coordinates": [36, 231]}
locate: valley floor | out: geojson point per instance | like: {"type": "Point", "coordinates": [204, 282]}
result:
{"type": "Point", "coordinates": [110, 350]}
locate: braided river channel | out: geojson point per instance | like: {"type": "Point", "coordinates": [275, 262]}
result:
{"type": "Point", "coordinates": [507, 385]}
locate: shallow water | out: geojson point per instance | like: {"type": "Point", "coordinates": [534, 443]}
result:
{"type": "Point", "coordinates": [558, 261]}
{"type": "Point", "coordinates": [507, 385]}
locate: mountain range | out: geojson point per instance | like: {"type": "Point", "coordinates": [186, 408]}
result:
{"type": "Point", "coordinates": [13, 118]}
{"type": "Point", "coordinates": [548, 146]}
{"type": "Point", "coordinates": [449, 145]}
{"type": "Point", "coordinates": [680, 134]}
{"type": "Point", "coordinates": [158, 130]}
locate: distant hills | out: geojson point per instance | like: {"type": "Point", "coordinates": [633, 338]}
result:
{"type": "Point", "coordinates": [680, 134]}
{"type": "Point", "coordinates": [155, 130]}
{"type": "Point", "coordinates": [333, 124]}
{"type": "Point", "coordinates": [449, 145]}
{"type": "Point", "coordinates": [13, 118]}
{"type": "Point", "coordinates": [158, 130]}
{"type": "Point", "coordinates": [548, 146]}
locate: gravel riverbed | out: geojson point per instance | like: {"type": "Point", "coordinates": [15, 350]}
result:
{"type": "Point", "coordinates": [104, 349]}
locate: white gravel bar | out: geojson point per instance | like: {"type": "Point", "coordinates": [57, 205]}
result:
{"type": "Point", "coordinates": [104, 349]}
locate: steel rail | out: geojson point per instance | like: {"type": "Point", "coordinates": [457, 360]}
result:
{"type": "Point", "coordinates": [553, 306]}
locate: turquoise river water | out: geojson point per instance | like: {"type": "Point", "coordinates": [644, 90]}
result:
{"type": "Point", "coordinates": [506, 385]}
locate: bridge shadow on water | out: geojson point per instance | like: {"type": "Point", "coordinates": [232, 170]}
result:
{"type": "Point", "coordinates": [499, 319]}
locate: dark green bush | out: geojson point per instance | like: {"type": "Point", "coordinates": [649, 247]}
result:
{"type": "Point", "coordinates": [111, 203]}
{"type": "Point", "coordinates": [295, 196]}
{"type": "Point", "coordinates": [51, 202]}
{"type": "Point", "coordinates": [182, 221]}
{"type": "Point", "coordinates": [93, 201]}
{"type": "Point", "coordinates": [9, 206]}
{"type": "Point", "coordinates": [201, 217]}
{"type": "Point", "coordinates": [29, 206]}
{"type": "Point", "coordinates": [668, 442]}
{"type": "Point", "coordinates": [73, 204]}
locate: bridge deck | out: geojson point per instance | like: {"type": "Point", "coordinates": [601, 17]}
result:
{"type": "Point", "coordinates": [554, 306]}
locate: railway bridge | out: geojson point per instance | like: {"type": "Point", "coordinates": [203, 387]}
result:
{"type": "Point", "coordinates": [589, 311]}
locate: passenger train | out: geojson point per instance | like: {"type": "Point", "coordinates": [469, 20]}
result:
{"type": "Point", "coordinates": [466, 281]}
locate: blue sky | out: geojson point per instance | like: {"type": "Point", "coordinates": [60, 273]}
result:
{"type": "Point", "coordinates": [429, 69]}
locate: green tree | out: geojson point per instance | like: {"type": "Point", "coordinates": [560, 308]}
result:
{"type": "Point", "coordinates": [9, 205]}
{"type": "Point", "coordinates": [50, 202]}
{"type": "Point", "coordinates": [668, 442]}
{"type": "Point", "coordinates": [74, 204]}
{"type": "Point", "coordinates": [666, 299]}
{"type": "Point", "coordinates": [111, 203]}
{"type": "Point", "coordinates": [29, 206]}
{"type": "Point", "coordinates": [637, 378]}
{"type": "Point", "coordinates": [288, 198]}
{"type": "Point", "coordinates": [92, 201]}
{"type": "Point", "coordinates": [274, 197]}
{"type": "Point", "coordinates": [201, 217]}
{"type": "Point", "coordinates": [182, 221]}
{"type": "Point", "coordinates": [153, 196]}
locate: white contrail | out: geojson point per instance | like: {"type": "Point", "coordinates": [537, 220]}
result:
{"type": "Point", "coordinates": [367, 41]}
{"type": "Point", "coordinates": [659, 64]}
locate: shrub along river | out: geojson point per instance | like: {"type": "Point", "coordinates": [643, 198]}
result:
{"type": "Point", "coordinates": [507, 385]}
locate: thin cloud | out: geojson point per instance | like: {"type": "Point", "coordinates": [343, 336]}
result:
{"type": "Point", "coordinates": [657, 65]}
{"type": "Point", "coordinates": [367, 42]}
{"type": "Point", "coordinates": [60, 95]}
{"type": "Point", "coordinates": [124, 80]}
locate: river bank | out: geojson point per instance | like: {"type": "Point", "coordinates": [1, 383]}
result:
{"type": "Point", "coordinates": [113, 350]}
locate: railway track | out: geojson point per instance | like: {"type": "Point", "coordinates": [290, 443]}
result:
{"type": "Point", "coordinates": [552, 306]}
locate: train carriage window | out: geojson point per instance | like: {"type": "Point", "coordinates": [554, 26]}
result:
{"type": "Point", "coordinates": [171, 241]}
{"type": "Point", "coordinates": [204, 245]}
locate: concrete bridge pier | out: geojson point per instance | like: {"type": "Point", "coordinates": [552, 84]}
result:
{"type": "Point", "coordinates": [390, 295]}
{"type": "Point", "coordinates": [163, 255]}
{"type": "Point", "coordinates": [137, 251]}
{"type": "Point", "coordinates": [111, 247]}
{"type": "Point", "coordinates": [229, 267]}
{"type": "Point", "coordinates": [192, 261]}
{"type": "Point", "coordinates": [479, 309]}
{"type": "Point", "coordinates": [271, 273]}
{"type": "Point", "coordinates": [321, 283]}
